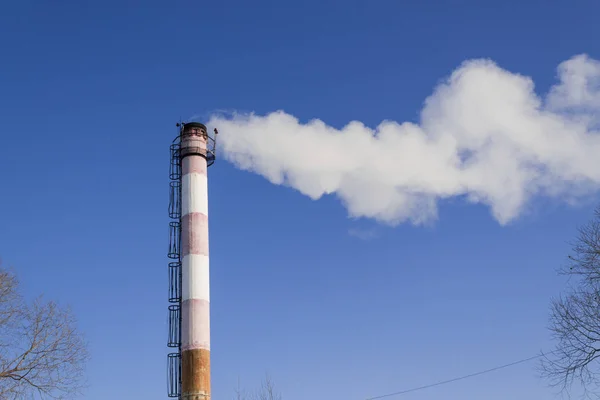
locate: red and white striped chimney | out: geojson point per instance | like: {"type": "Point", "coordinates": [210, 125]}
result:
{"type": "Point", "coordinates": [195, 312]}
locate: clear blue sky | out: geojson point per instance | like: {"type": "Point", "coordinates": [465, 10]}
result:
{"type": "Point", "coordinates": [89, 96]}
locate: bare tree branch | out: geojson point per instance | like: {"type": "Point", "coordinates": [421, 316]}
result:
{"type": "Point", "coordinates": [266, 391]}
{"type": "Point", "coordinates": [42, 355]}
{"type": "Point", "coordinates": [575, 318]}
{"type": "Point", "coordinates": [240, 394]}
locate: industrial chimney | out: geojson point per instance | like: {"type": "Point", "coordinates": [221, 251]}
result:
{"type": "Point", "coordinates": [189, 316]}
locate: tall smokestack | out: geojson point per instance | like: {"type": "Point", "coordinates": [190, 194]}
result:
{"type": "Point", "coordinates": [194, 153]}
{"type": "Point", "coordinates": [195, 307]}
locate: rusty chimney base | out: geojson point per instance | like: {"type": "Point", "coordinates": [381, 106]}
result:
{"type": "Point", "coordinates": [195, 374]}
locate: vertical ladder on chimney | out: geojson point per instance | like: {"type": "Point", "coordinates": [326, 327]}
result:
{"type": "Point", "coordinates": [174, 254]}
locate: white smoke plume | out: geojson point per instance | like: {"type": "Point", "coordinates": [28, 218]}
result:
{"type": "Point", "coordinates": [484, 134]}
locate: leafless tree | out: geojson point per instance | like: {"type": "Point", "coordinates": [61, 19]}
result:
{"type": "Point", "coordinates": [42, 355]}
{"type": "Point", "coordinates": [266, 391]}
{"type": "Point", "coordinates": [240, 394]}
{"type": "Point", "coordinates": [575, 317]}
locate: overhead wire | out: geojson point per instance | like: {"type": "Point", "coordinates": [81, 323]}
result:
{"type": "Point", "coordinates": [456, 379]}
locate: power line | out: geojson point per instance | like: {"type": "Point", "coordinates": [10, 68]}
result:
{"type": "Point", "coordinates": [456, 379]}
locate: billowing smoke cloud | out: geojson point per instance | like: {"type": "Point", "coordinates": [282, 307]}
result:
{"type": "Point", "coordinates": [483, 134]}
